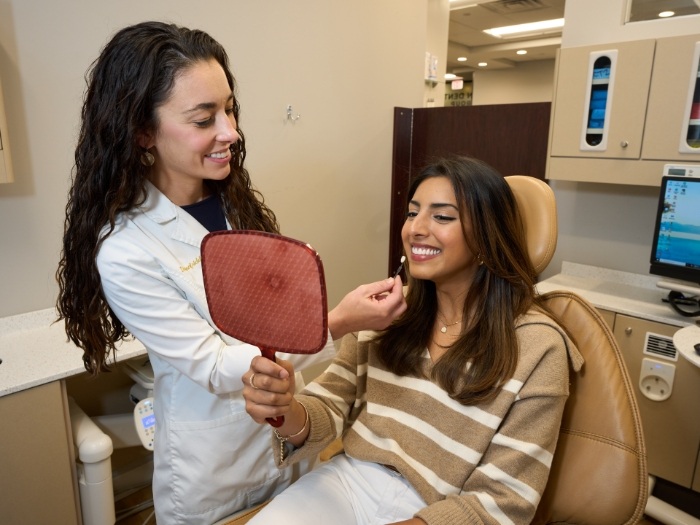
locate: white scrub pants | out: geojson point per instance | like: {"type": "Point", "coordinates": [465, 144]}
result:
{"type": "Point", "coordinates": [344, 491]}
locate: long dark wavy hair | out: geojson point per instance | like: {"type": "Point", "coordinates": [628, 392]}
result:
{"type": "Point", "coordinates": [486, 352]}
{"type": "Point", "coordinates": [132, 77]}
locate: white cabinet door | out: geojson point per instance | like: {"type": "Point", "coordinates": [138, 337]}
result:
{"type": "Point", "coordinates": [38, 482]}
{"type": "Point", "coordinates": [627, 105]}
{"type": "Point", "coordinates": [675, 74]}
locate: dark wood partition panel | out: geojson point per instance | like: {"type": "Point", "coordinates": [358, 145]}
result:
{"type": "Point", "coordinates": [510, 137]}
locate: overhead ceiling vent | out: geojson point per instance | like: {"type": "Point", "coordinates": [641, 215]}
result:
{"type": "Point", "coordinates": [507, 7]}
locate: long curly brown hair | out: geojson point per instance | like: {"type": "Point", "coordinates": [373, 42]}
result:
{"type": "Point", "coordinates": [503, 289]}
{"type": "Point", "coordinates": [132, 77]}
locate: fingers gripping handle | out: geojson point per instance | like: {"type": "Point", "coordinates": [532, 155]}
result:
{"type": "Point", "coordinates": [269, 353]}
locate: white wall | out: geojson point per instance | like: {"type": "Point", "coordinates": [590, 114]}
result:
{"type": "Point", "coordinates": [605, 225]}
{"type": "Point", "coordinates": [528, 82]}
{"type": "Point", "coordinates": [600, 224]}
{"type": "Point", "coordinates": [343, 66]}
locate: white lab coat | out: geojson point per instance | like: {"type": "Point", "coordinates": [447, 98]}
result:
{"type": "Point", "coordinates": [210, 457]}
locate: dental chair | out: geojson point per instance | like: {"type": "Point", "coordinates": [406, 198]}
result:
{"type": "Point", "coordinates": [599, 474]}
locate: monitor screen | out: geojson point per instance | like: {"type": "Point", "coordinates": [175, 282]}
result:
{"type": "Point", "coordinates": [675, 252]}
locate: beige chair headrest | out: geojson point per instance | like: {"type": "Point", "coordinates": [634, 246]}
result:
{"type": "Point", "coordinates": [538, 210]}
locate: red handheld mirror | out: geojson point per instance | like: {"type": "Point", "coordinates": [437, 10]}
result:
{"type": "Point", "coordinates": [267, 290]}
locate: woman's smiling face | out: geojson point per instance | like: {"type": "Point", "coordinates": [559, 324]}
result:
{"type": "Point", "coordinates": [434, 235]}
{"type": "Point", "coordinates": [196, 126]}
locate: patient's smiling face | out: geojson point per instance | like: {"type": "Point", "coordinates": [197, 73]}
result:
{"type": "Point", "coordinates": [434, 235]}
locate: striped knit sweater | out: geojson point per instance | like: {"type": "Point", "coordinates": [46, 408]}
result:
{"type": "Point", "coordinates": [471, 464]}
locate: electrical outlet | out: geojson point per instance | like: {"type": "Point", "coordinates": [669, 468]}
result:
{"type": "Point", "coordinates": [656, 379]}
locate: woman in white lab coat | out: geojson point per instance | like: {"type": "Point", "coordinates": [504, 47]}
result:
{"type": "Point", "coordinates": [159, 164]}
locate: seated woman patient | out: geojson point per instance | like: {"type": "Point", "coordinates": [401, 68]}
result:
{"type": "Point", "coordinates": [451, 415]}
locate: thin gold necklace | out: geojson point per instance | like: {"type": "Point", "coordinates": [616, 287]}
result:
{"type": "Point", "coordinates": [445, 325]}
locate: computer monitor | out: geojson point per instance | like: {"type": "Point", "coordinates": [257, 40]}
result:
{"type": "Point", "coordinates": [675, 252]}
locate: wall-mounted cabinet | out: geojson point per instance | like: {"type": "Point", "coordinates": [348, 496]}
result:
{"type": "Point", "coordinates": [621, 111]}
{"type": "Point", "coordinates": [5, 159]}
{"type": "Point", "coordinates": [626, 99]}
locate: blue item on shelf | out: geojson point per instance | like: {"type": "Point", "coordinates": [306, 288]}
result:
{"type": "Point", "coordinates": [598, 114]}
{"type": "Point", "coordinates": [599, 94]}
{"type": "Point", "coordinates": [601, 73]}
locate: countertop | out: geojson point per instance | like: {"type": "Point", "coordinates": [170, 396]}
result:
{"type": "Point", "coordinates": [685, 340]}
{"type": "Point", "coordinates": [34, 350]}
{"type": "Point", "coordinates": [621, 292]}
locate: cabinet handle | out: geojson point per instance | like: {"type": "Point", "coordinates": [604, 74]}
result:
{"type": "Point", "coordinates": [628, 330]}
{"type": "Point", "coordinates": [624, 144]}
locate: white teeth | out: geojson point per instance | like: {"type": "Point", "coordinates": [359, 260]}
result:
{"type": "Point", "coordinates": [221, 155]}
{"type": "Point", "coordinates": [424, 251]}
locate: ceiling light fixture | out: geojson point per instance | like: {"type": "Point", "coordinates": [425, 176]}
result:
{"type": "Point", "coordinates": [450, 76]}
{"type": "Point", "coordinates": [461, 4]}
{"type": "Point", "coordinates": [461, 59]}
{"type": "Point", "coordinates": [533, 28]}
{"type": "Point", "coordinates": [521, 52]}
{"type": "Point", "coordinates": [483, 64]}
{"type": "Point", "coordinates": [666, 14]}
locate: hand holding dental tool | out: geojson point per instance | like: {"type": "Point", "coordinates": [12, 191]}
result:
{"type": "Point", "coordinates": [370, 306]}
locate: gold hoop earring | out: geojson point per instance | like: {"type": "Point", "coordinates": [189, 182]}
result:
{"type": "Point", "coordinates": [147, 158]}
